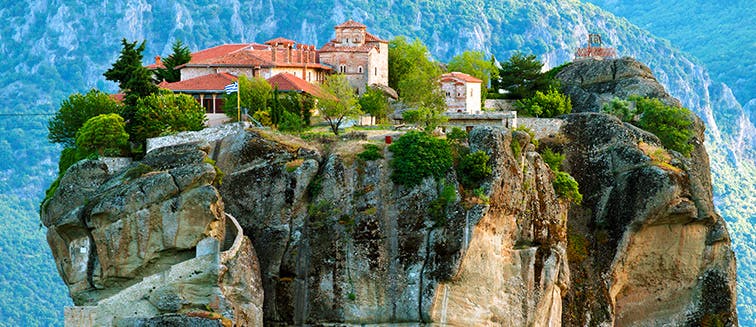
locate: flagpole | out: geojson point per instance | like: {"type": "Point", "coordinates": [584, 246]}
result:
{"type": "Point", "coordinates": [238, 102]}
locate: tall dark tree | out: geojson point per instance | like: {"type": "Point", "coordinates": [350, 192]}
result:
{"type": "Point", "coordinates": [180, 56]}
{"type": "Point", "coordinates": [134, 80]}
{"type": "Point", "coordinates": [521, 75]}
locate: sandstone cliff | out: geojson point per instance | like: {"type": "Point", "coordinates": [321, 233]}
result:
{"type": "Point", "coordinates": [339, 242]}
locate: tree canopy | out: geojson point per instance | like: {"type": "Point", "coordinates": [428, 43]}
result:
{"type": "Point", "coordinates": [375, 103]}
{"type": "Point", "coordinates": [255, 96]}
{"type": "Point", "coordinates": [75, 111]}
{"type": "Point", "coordinates": [165, 113]}
{"type": "Point", "coordinates": [550, 104]}
{"type": "Point", "coordinates": [133, 79]}
{"type": "Point", "coordinates": [338, 102]}
{"type": "Point", "coordinates": [521, 75]}
{"type": "Point", "coordinates": [180, 56]}
{"type": "Point", "coordinates": [410, 66]}
{"type": "Point", "coordinates": [474, 63]}
{"type": "Point", "coordinates": [103, 134]}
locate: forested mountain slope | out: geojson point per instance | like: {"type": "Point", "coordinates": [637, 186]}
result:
{"type": "Point", "coordinates": [50, 49]}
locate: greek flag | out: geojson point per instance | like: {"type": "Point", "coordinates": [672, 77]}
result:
{"type": "Point", "coordinates": [231, 88]}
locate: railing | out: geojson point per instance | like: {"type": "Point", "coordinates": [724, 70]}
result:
{"type": "Point", "coordinates": [231, 252]}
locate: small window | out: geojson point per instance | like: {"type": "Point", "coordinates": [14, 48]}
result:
{"type": "Point", "coordinates": [448, 93]}
{"type": "Point", "coordinates": [359, 69]}
{"type": "Point", "coordinates": [309, 76]}
{"type": "Point", "coordinates": [459, 94]}
{"type": "Point", "coordinates": [376, 71]}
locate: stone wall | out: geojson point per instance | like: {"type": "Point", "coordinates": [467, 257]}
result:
{"type": "Point", "coordinates": [543, 127]}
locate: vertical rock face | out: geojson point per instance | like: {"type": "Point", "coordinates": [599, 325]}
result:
{"type": "Point", "coordinates": [143, 240]}
{"type": "Point", "coordinates": [646, 247]}
{"type": "Point", "coordinates": [340, 242]}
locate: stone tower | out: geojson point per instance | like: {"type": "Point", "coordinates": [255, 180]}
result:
{"type": "Point", "coordinates": [361, 56]}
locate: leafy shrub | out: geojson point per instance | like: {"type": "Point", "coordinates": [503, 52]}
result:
{"type": "Point", "coordinates": [75, 111]}
{"type": "Point", "coordinates": [457, 135]}
{"type": "Point", "coordinates": [552, 103]}
{"type": "Point", "coordinates": [473, 168]}
{"type": "Point", "coordinates": [417, 156]}
{"type": "Point", "coordinates": [553, 159]}
{"type": "Point", "coordinates": [158, 114]}
{"type": "Point", "coordinates": [290, 122]}
{"type": "Point", "coordinates": [516, 148]}
{"type": "Point", "coordinates": [371, 152]}
{"type": "Point", "coordinates": [523, 128]}
{"type": "Point", "coordinates": [567, 187]}
{"type": "Point", "coordinates": [619, 108]}
{"type": "Point", "coordinates": [673, 125]}
{"type": "Point", "coordinates": [262, 117]}
{"type": "Point", "coordinates": [219, 174]}
{"type": "Point", "coordinates": [437, 208]}
{"type": "Point", "coordinates": [104, 134]}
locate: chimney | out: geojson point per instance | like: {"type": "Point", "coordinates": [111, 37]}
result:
{"type": "Point", "coordinates": [306, 54]}
{"type": "Point", "coordinates": [158, 61]}
{"type": "Point", "coordinates": [274, 49]}
{"type": "Point", "coordinates": [312, 54]}
{"type": "Point", "coordinates": [288, 53]}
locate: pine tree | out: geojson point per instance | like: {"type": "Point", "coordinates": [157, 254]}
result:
{"type": "Point", "coordinates": [133, 79]}
{"type": "Point", "coordinates": [180, 56]}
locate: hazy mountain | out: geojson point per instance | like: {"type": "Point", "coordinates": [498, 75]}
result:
{"type": "Point", "coordinates": [50, 49]}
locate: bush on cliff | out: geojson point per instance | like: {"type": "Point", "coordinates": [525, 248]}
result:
{"type": "Point", "coordinates": [567, 187]}
{"type": "Point", "coordinates": [75, 111]}
{"type": "Point", "coordinates": [473, 168]}
{"type": "Point", "coordinates": [104, 134]}
{"type": "Point", "coordinates": [165, 113]}
{"type": "Point", "coordinates": [673, 125]}
{"type": "Point", "coordinates": [550, 104]}
{"type": "Point", "coordinates": [417, 156]}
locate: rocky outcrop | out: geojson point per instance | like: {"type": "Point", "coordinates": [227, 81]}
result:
{"type": "Point", "coordinates": [339, 242]}
{"type": "Point", "coordinates": [146, 240]}
{"type": "Point", "coordinates": [591, 83]}
{"type": "Point", "coordinates": [646, 248]}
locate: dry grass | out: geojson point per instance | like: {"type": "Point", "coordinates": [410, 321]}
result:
{"type": "Point", "coordinates": [659, 157]}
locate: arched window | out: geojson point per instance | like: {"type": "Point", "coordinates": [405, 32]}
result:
{"type": "Point", "coordinates": [359, 69]}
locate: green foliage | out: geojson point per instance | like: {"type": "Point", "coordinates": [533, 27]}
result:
{"type": "Point", "coordinates": [301, 104]}
{"type": "Point", "coordinates": [219, 174]}
{"type": "Point", "coordinates": [371, 152]}
{"type": "Point", "coordinates": [531, 133]}
{"type": "Point", "coordinates": [457, 135]}
{"type": "Point", "coordinates": [474, 63]}
{"type": "Point", "coordinates": [290, 122]}
{"type": "Point", "coordinates": [263, 117]}
{"type": "Point", "coordinates": [104, 134]}
{"type": "Point", "coordinates": [180, 56]}
{"type": "Point", "coordinates": [473, 168]}
{"type": "Point", "coordinates": [161, 114]}
{"type": "Point", "coordinates": [276, 111]}
{"type": "Point", "coordinates": [673, 125]}
{"type": "Point", "coordinates": [424, 117]}
{"type": "Point", "coordinates": [521, 76]}
{"type": "Point", "coordinates": [567, 187]}
{"type": "Point", "coordinates": [417, 156]}
{"type": "Point", "coordinates": [414, 76]}
{"type": "Point", "coordinates": [516, 148]}
{"type": "Point", "coordinates": [76, 110]}
{"type": "Point", "coordinates": [553, 159]}
{"type": "Point", "coordinates": [375, 103]}
{"type": "Point", "coordinates": [437, 208]}
{"type": "Point", "coordinates": [255, 96]}
{"type": "Point", "coordinates": [133, 79]}
{"type": "Point", "coordinates": [552, 103]}
{"type": "Point", "coordinates": [338, 103]}
{"type": "Point", "coordinates": [619, 108]}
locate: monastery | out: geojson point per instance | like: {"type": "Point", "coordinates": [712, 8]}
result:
{"type": "Point", "coordinates": [292, 67]}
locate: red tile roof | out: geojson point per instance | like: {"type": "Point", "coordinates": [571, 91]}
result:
{"type": "Point", "coordinates": [289, 82]}
{"type": "Point", "coordinates": [460, 76]}
{"type": "Point", "coordinates": [213, 82]}
{"type": "Point", "coordinates": [118, 97]}
{"type": "Point", "coordinates": [280, 40]}
{"type": "Point", "coordinates": [372, 38]}
{"type": "Point", "coordinates": [222, 50]}
{"type": "Point", "coordinates": [352, 24]}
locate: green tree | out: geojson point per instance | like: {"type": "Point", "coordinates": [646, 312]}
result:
{"type": "Point", "coordinates": [166, 113]}
{"type": "Point", "coordinates": [133, 79]}
{"type": "Point", "coordinates": [255, 95]}
{"type": "Point", "coordinates": [567, 187]}
{"type": "Point", "coordinates": [473, 168]}
{"type": "Point", "coordinates": [338, 102]}
{"type": "Point", "coordinates": [375, 103]}
{"type": "Point", "coordinates": [552, 103]}
{"type": "Point", "coordinates": [290, 122]}
{"type": "Point", "coordinates": [673, 125]}
{"type": "Point", "coordinates": [103, 134]}
{"type": "Point", "coordinates": [424, 117]}
{"type": "Point", "coordinates": [410, 61]}
{"type": "Point", "coordinates": [300, 104]}
{"type": "Point", "coordinates": [180, 56]}
{"type": "Point", "coordinates": [474, 63]}
{"type": "Point", "coordinates": [75, 111]}
{"type": "Point", "coordinates": [417, 156]}
{"type": "Point", "coordinates": [521, 75]}
{"type": "Point", "coordinates": [275, 108]}
{"type": "Point", "coordinates": [619, 108]}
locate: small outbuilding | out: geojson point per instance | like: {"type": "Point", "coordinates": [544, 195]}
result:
{"type": "Point", "coordinates": [462, 92]}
